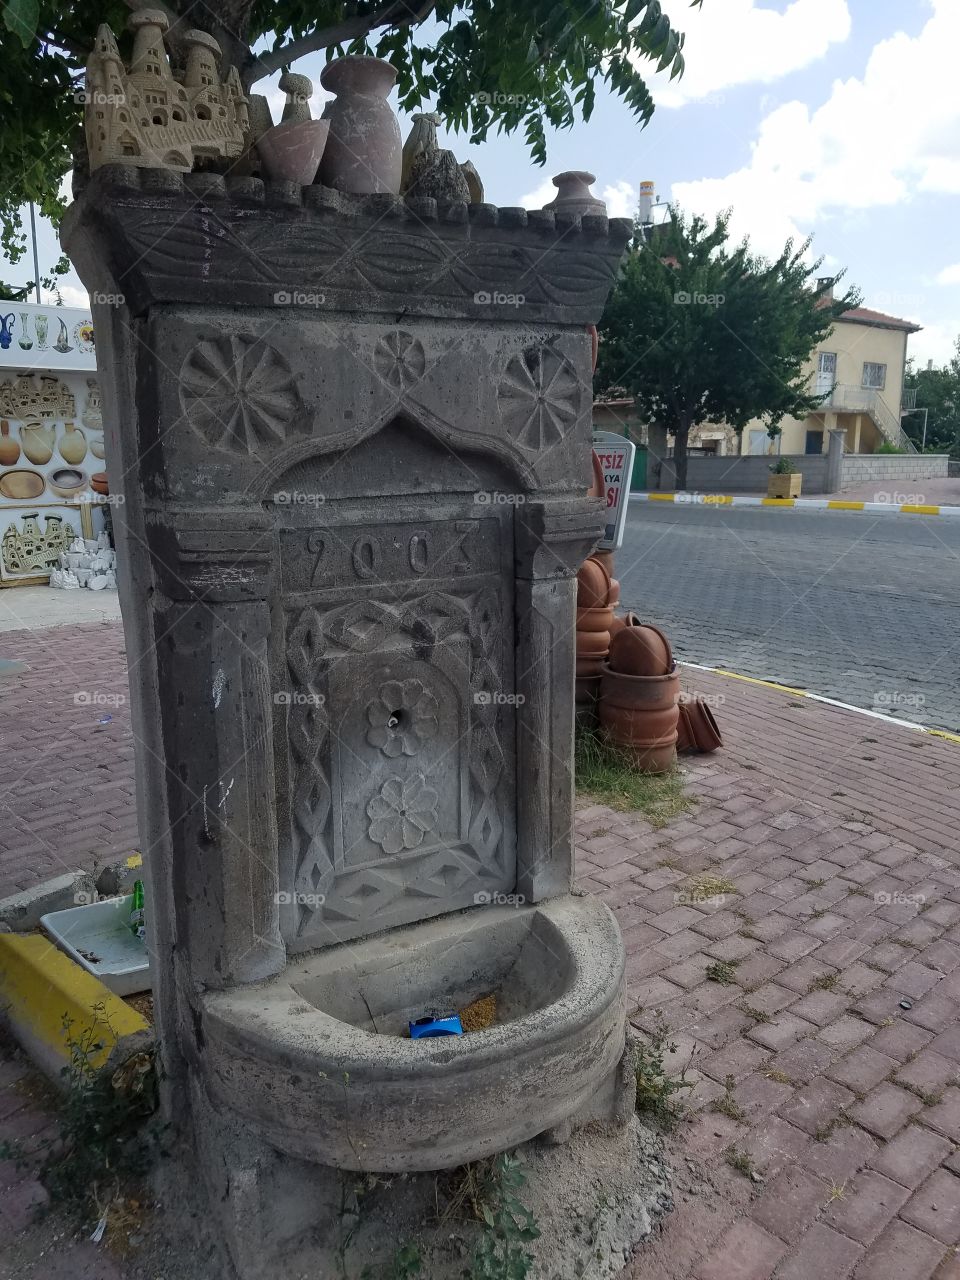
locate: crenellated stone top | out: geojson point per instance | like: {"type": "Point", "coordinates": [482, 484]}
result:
{"type": "Point", "coordinates": [157, 236]}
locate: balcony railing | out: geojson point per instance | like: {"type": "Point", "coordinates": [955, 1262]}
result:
{"type": "Point", "coordinates": [846, 398]}
{"type": "Point", "coordinates": [908, 399]}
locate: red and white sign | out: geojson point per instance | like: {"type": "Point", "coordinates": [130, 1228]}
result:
{"type": "Point", "coordinates": [616, 455]}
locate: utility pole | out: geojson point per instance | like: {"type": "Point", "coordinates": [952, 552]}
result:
{"type": "Point", "coordinates": [36, 257]}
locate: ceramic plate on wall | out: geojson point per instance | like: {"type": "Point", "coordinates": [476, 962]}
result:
{"type": "Point", "coordinates": [22, 485]}
{"type": "Point", "coordinates": [83, 337]}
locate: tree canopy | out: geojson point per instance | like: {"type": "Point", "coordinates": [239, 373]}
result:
{"type": "Point", "coordinates": [938, 391]}
{"type": "Point", "coordinates": [484, 65]}
{"type": "Point", "coordinates": [698, 330]}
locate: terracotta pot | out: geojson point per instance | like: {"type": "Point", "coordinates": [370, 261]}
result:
{"type": "Point", "coordinates": [641, 651]}
{"type": "Point", "coordinates": [67, 482]}
{"type": "Point", "coordinates": [614, 593]}
{"type": "Point", "coordinates": [593, 585]}
{"type": "Point", "coordinates": [594, 620]}
{"type": "Point", "coordinates": [685, 738]}
{"type": "Point", "coordinates": [628, 726]}
{"type": "Point", "coordinates": [99, 483]}
{"type": "Point", "coordinates": [640, 693]}
{"type": "Point", "coordinates": [592, 644]}
{"type": "Point", "coordinates": [364, 150]}
{"type": "Point", "coordinates": [624, 620]}
{"type": "Point", "coordinates": [704, 729]}
{"type": "Point", "coordinates": [606, 559]}
{"type": "Point", "coordinates": [291, 152]}
{"type": "Point", "coordinates": [589, 668]}
{"type": "Point", "coordinates": [574, 194]}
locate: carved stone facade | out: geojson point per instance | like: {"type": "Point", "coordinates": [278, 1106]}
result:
{"type": "Point", "coordinates": [355, 508]}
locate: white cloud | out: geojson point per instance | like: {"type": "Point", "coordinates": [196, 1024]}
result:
{"type": "Point", "coordinates": [541, 196]}
{"type": "Point", "coordinates": [621, 199]}
{"type": "Point", "coordinates": [876, 141]}
{"type": "Point", "coordinates": [736, 42]}
{"type": "Point", "coordinates": [949, 275]}
{"type": "Point", "coordinates": [72, 297]}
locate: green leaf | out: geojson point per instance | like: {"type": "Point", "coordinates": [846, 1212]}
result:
{"type": "Point", "coordinates": [21, 18]}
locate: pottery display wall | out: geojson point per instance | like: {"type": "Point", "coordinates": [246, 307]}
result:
{"type": "Point", "coordinates": [51, 435]}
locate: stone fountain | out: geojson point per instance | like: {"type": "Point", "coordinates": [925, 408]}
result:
{"type": "Point", "coordinates": [352, 434]}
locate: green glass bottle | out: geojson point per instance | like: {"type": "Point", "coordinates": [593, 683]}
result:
{"type": "Point", "coordinates": [137, 927]}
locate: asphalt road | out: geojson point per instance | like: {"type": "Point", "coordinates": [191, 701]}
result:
{"type": "Point", "coordinates": [861, 608]}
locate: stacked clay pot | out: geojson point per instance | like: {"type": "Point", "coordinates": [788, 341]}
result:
{"type": "Point", "coordinates": [639, 696]}
{"type": "Point", "coordinates": [594, 619]}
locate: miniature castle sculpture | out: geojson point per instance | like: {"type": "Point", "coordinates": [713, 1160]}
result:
{"type": "Point", "coordinates": [22, 398]}
{"type": "Point", "coordinates": [147, 116]}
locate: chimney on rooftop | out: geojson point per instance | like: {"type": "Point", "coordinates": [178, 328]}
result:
{"type": "Point", "coordinates": [825, 287]}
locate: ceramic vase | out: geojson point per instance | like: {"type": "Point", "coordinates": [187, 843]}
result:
{"type": "Point", "coordinates": [37, 442]}
{"type": "Point", "coordinates": [73, 444]}
{"type": "Point", "coordinates": [9, 449]}
{"type": "Point", "coordinates": [26, 342]}
{"type": "Point", "coordinates": [574, 195]}
{"type": "Point", "coordinates": [6, 330]}
{"type": "Point", "coordinates": [291, 152]}
{"type": "Point", "coordinates": [96, 446]}
{"type": "Point", "coordinates": [364, 149]}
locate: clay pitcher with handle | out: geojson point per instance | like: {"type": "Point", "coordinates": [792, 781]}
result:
{"type": "Point", "coordinates": [73, 444]}
{"type": "Point", "coordinates": [37, 442]}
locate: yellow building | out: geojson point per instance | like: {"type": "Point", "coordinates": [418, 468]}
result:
{"type": "Point", "coordinates": [859, 368]}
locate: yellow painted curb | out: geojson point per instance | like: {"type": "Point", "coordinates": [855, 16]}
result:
{"type": "Point", "coordinates": [41, 989]}
{"type": "Point", "coordinates": [661, 497]}
{"type": "Point", "coordinates": [777, 502]}
{"type": "Point", "coordinates": [917, 510]}
{"type": "Point", "coordinates": [944, 733]}
{"type": "Point", "coordinates": [839, 505]}
{"type": "Point", "coordinates": [767, 684]}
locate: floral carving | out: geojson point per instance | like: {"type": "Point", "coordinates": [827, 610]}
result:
{"type": "Point", "coordinates": [402, 717]}
{"type": "Point", "coordinates": [538, 396]}
{"type": "Point", "coordinates": [239, 393]}
{"type": "Point", "coordinates": [399, 359]}
{"type": "Point", "coordinates": [402, 813]}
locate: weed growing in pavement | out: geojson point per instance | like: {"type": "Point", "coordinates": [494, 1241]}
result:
{"type": "Point", "coordinates": [740, 1161]}
{"type": "Point", "coordinates": [508, 1225]}
{"type": "Point", "coordinates": [776, 1075]}
{"type": "Point", "coordinates": [725, 1104]}
{"type": "Point", "coordinates": [106, 1144]}
{"type": "Point", "coordinates": [706, 886]}
{"type": "Point", "coordinates": [723, 971]}
{"type": "Point", "coordinates": [606, 775]}
{"type": "Point", "coordinates": [656, 1090]}
{"type": "Point", "coordinates": [757, 1015]}
{"type": "Point", "coordinates": [838, 1190]}
{"type": "Point", "coordinates": [826, 982]}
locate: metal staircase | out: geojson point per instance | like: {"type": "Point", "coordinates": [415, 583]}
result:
{"type": "Point", "coordinates": [846, 398]}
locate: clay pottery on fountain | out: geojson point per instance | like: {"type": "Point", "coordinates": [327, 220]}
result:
{"type": "Point", "coordinates": [67, 482]}
{"type": "Point", "coordinates": [9, 448]}
{"type": "Point", "coordinates": [640, 715]}
{"type": "Point", "coordinates": [574, 195]}
{"type": "Point", "coordinates": [364, 149]}
{"type": "Point", "coordinates": [291, 152]}
{"type": "Point", "coordinates": [641, 651]}
{"type": "Point", "coordinates": [37, 442]}
{"type": "Point", "coordinates": [22, 484]}
{"type": "Point", "coordinates": [593, 585]}
{"type": "Point", "coordinates": [99, 483]}
{"type": "Point", "coordinates": [73, 444]}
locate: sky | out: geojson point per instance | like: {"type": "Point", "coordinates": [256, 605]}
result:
{"type": "Point", "coordinates": [836, 119]}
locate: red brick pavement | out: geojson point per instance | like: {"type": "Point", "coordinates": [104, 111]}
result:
{"type": "Point", "coordinates": [66, 790]}
{"type": "Point", "coordinates": [833, 1051]}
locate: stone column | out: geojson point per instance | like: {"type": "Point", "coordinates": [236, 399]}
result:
{"type": "Point", "coordinates": [833, 481]}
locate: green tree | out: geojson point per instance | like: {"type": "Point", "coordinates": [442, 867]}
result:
{"type": "Point", "coordinates": [698, 330]}
{"type": "Point", "coordinates": [938, 391]}
{"type": "Point", "coordinates": [484, 64]}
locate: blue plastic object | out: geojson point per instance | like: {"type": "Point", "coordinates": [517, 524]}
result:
{"type": "Point", "coordinates": [436, 1024]}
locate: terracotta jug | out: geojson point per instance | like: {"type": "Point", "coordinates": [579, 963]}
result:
{"type": "Point", "coordinates": [73, 444]}
{"type": "Point", "coordinates": [364, 150]}
{"type": "Point", "coordinates": [37, 442]}
{"type": "Point", "coordinates": [9, 449]}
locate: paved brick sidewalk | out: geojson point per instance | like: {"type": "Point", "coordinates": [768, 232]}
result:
{"type": "Point", "coordinates": [66, 790]}
{"type": "Point", "coordinates": [834, 1051]}
{"type": "Point", "coordinates": [828, 1063]}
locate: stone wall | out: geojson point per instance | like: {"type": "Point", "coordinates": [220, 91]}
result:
{"type": "Point", "coordinates": [863, 468]}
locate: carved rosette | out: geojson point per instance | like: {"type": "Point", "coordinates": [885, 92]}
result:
{"type": "Point", "coordinates": [402, 717]}
{"type": "Point", "coordinates": [238, 394]}
{"type": "Point", "coordinates": [402, 813]}
{"type": "Point", "coordinates": [399, 359]}
{"type": "Point", "coordinates": [538, 397]}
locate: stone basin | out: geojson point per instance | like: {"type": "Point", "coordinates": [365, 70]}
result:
{"type": "Point", "coordinates": [314, 1061]}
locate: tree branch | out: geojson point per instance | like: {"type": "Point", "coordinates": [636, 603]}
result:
{"type": "Point", "coordinates": [398, 13]}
